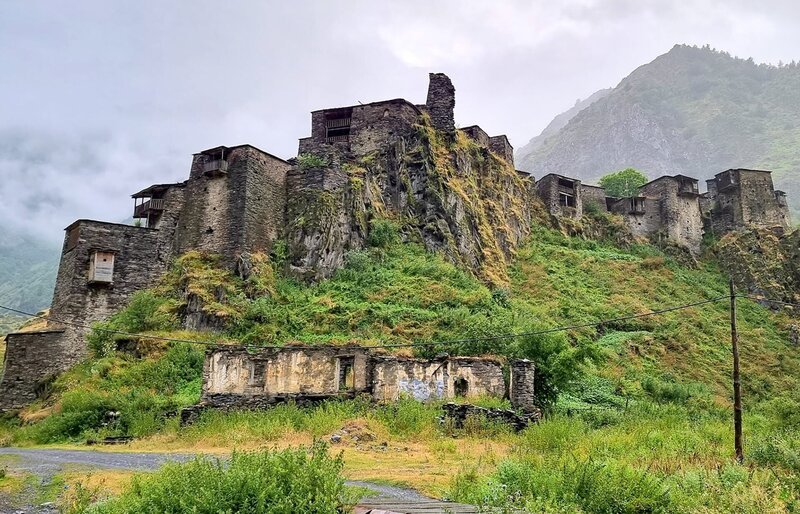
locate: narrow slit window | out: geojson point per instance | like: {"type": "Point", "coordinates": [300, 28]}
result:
{"type": "Point", "coordinates": [256, 373]}
{"type": "Point", "coordinates": [346, 373]}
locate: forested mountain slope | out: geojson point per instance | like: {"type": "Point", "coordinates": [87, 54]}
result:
{"type": "Point", "coordinates": [27, 275]}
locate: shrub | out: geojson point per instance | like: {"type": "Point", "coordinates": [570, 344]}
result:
{"type": "Point", "coordinates": [383, 233]}
{"type": "Point", "coordinates": [664, 391]}
{"type": "Point", "coordinates": [292, 480]}
{"type": "Point", "coordinates": [146, 311]}
{"type": "Point", "coordinates": [308, 161]}
{"type": "Point", "coordinates": [781, 449]}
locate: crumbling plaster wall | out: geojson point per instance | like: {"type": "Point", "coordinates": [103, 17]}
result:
{"type": "Point", "coordinates": [394, 377]}
{"type": "Point", "coordinates": [233, 376]}
{"type": "Point", "coordinates": [281, 372]}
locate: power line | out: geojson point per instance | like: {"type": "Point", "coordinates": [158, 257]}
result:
{"type": "Point", "coordinates": [768, 300]}
{"type": "Point", "coordinates": [397, 345]}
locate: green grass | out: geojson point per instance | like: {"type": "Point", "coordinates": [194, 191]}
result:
{"type": "Point", "coordinates": [292, 480]}
{"type": "Point", "coordinates": [638, 410]}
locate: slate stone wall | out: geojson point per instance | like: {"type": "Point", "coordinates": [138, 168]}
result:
{"type": "Point", "coordinates": [500, 146]}
{"type": "Point", "coordinates": [681, 220]}
{"type": "Point", "coordinates": [441, 102]}
{"type": "Point", "coordinates": [521, 388]}
{"type": "Point", "coordinates": [239, 211]}
{"type": "Point", "coordinates": [140, 258]}
{"type": "Point", "coordinates": [741, 198]}
{"type": "Point", "coordinates": [548, 189]}
{"type": "Point", "coordinates": [477, 134]}
{"type": "Point", "coordinates": [594, 195]}
{"type": "Point", "coordinates": [32, 361]}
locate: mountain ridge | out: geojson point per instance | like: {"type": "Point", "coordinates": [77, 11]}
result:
{"type": "Point", "coordinates": [695, 111]}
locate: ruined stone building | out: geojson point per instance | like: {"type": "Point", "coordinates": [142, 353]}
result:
{"type": "Point", "coordinates": [740, 197]}
{"type": "Point", "coordinates": [668, 208]}
{"type": "Point", "coordinates": [234, 202]}
{"type": "Point", "coordinates": [236, 378]}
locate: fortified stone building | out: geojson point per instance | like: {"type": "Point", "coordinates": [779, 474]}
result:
{"type": "Point", "coordinates": [241, 199]}
{"type": "Point", "coordinates": [233, 203]}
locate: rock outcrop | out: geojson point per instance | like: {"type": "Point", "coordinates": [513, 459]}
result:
{"type": "Point", "coordinates": [762, 263]}
{"type": "Point", "coordinates": [455, 196]}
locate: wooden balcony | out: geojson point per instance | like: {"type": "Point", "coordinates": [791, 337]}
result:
{"type": "Point", "coordinates": [215, 167]}
{"type": "Point", "coordinates": [145, 209]}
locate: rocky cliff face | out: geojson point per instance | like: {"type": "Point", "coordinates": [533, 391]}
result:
{"type": "Point", "coordinates": [525, 155]}
{"type": "Point", "coordinates": [454, 196]}
{"type": "Point", "coordinates": [762, 263]}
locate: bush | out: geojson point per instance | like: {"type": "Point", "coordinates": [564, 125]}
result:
{"type": "Point", "coordinates": [308, 161]}
{"type": "Point", "coordinates": [292, 480]}
{"type": "Point", "coordinates": [383, 233]}
{"type": "Point", "coordinates": [146, 311]}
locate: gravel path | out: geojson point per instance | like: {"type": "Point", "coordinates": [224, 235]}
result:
{"type": "Point", "coordinates": [45, 463]}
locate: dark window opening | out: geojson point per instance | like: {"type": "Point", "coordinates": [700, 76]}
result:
{"type": "Point", "coordinates": [566, 200]}
{"type": "Point", "coordinates": [256, 373]}
{"type": "Point", "coordinates": [461, 387]}
{"type": "Point", "coordinates": [637, 205]}
{"type": "Point", "coordinates": [337, 126]}
{"type": "Point", "coordinates": [346, 373]}
{"type": "Point", "coordinates": [569, 184]}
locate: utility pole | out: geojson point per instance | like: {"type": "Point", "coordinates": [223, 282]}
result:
{"type": "Point", "coordinates": [737, 386]}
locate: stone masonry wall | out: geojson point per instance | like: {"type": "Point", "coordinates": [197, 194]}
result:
{"type": "Point", "coordinates": [521, 391]}
{"type": "Point", "coordinates": [681, 221]}
{"type": "Point", "coordinates": [642, 224]}
{"type": "Point", "coordinates": [477, 134]}
{"type": "Point", "coordinates": [140, 257]}
{"type": "Point", "coordinates": [284, 372]}
{"type": "Point", "coordinates": [235, 377]}
{"type": "Point", "coordinates": [32, 361]}
{"type": "Point", "coordinates": [393, 377]}
{"type": "Point", "coordinates": [548, 189]}
{"type": "Point", "coordinates": [594, 195]}
{"type": "Point", "coordinates": [759, 206]}
{"type": "Point", "coordinates": [441, 102]}
{"type": "Point", "coordinates": [235, 212]}
{"type": "Point", "coordinates": [500, 146]}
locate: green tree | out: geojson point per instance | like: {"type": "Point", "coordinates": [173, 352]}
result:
{"type": "Point", "coordinates": [623, 183]}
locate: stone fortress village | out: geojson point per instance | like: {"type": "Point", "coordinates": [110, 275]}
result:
{"type": "Point", "coordinates": [236, 201]}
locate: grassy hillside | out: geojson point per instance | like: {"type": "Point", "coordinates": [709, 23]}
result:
{"type": "Point", "coordinates": [694, 111]}
{"type": "Point", "coordinates": [640, 419]}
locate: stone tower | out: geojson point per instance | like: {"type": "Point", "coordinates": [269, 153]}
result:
{"type": "Point", "coordinates": [441, 102]}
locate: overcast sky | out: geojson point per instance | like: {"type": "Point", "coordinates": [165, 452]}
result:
{"type": "Point", "coordinates": [102, 98]}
